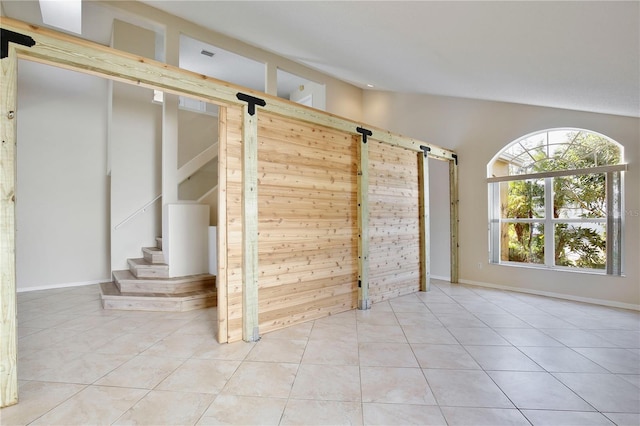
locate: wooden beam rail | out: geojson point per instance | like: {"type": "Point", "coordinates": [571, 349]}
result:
{"type": "Point", "coordinates": [73, 53]}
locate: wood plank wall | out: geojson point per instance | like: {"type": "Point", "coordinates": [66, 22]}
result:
{"type": "Point", "coordinates": [307, 239]}
{"type": "Point", "coordinates": [233, 194]}
{"type": "Point", "coordinates": [394, 222]}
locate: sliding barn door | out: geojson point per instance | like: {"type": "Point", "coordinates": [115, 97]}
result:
{"type": "Point", "coordinates": [307, 227]}
{"type": "Point", "coordinates": [394, 222]}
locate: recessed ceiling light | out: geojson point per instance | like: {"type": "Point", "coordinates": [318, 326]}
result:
{"type": "Point", "coordinates": [207, 53]}
{"type": "Point", "coordinates": [370, 85]}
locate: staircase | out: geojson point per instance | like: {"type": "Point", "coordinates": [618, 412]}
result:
{"type": "Point", "coordinates": [146, 286]}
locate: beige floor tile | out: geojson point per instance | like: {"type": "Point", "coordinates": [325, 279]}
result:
{"type": "Point", "coordinates": [460, 320]}
{"type": "Point", "coordinates": [201, 326]}
{"type": "Point", "coordinates": [564, 360]}
{"type": "Point", "coordinates": [376, 318]}
{"type": "Point", "coordinates": [244, 410]}
{"type": "Point", "coordinates": [276, 350]}
{"type": "Point", "coordinates": [538, 391]}
{"type": "Point", "coordinates": [159, 325]}
{"type": "Point", "coordinates": [616, 360]}
{"type": "Point", "coordinates": [210, 349]}
{"type": "Point", "coordinates": [624, 419]}
{"type": "Point", "coordinates": [566, 418]}
{"type": "Point", "coordinates": [331, 352]}
{"type": "Point", "coordinates": [523, 337]}
{"type": "Point", "coordinates": [36, 399]}
{"type": "Point", "coordinates": [321, 413]}
{"type": "Point", "coordinates": [465, 388]}
{"type": "Point", "coordinates": [143, 372]}
{"type": "Point", "coordinates": [578, 338]}
{"type": "Point", "coordinates": [622, 338]}
{"type": "Point", "coordinates": [93, 405]}
{"type": "Point", "coordinates": [502, 358]}
{"type": "Point", "coordinates": [503, 320]}
{"type": "Point", "coordinates": [429, 334]}
{"type": "Point", "coordinates": [422, 319]}
{"type": "Point", "coordinates": [43, 340]}
{"type": "Point", "coordinates": [605, 392]}
{"type": "Point", "coordinates": [294, 332]}
{"type": "Point", "coordinates": [167, 408]}
{"type": "Point", "coordinates": [475, 336]}
{"type": "Point", "coordinates": [327, 383]}
{"type": "Point", "coordinates": [177, 345]}
{"type": "Point", "coordinates": [87, 341]}
{"type": "Point", "coordinates": [200, 375]}
{"type": "Point", "coordinates": [337, 332]}
{"type": "Point", "coordinates": [343, 318]}
{"type": "Point", "coordinates": [401, 414]}
{"type": "Point", "coordinates": [386, 355]}
{"type": "Point", "coordinates": [395, 386]}
{"type": "Point", "coordinates": [414, 305]}
{"type": "Point", "coordinates": [466, 416]}
{"type": "Point", "coordinates": [444, 356]}
{"type": "Point", "coordinates": [128, 343]}
{"type": "Point", "coordinates": [266, 379]}
{"type": "Point", "coordinates": [87, 368]}
{"type": "Point", "coordinates": [381, 333]}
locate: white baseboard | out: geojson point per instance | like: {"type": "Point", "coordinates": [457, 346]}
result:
{"type": "Point", "coordinates": [609, 303]}
{"type": "Point", "coordinates": [64, 285]}
{"type": "Point", "coordinates": [441, 277]}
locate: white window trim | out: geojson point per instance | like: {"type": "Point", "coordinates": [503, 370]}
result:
{"type": "Point", "coordinates": [613, 220]}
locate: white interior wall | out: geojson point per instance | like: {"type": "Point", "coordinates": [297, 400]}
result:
{"type": "Point", "coordinates": [62, 201]}
{"type": "Point", "coordinates": [477, 130]}
{"type": "Point", "coordinates": [135, 139]}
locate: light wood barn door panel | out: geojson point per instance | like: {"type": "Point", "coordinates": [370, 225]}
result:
{"type": "Point", "coordinates": [307, 241]}
{"type": "Point", "coordinates": [394, 222]}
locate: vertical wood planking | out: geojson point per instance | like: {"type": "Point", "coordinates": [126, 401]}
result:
{"type": "Point", "coordinates": [425, 230]}
{"type": "Point", "coordinates": [453, 196]}
{"type": "Point", "coordinates": [250, 329]}
{"type": "Point", "coordinates": [8, 347]}
{"type": "Point", "coordinates": [221, 278]}
{"type": "Point", "coordinates": [394, 222]}
{"type": "Point", "coordinates": [363, 224]}
{"type": "Point", "coordinates": [234, 223]}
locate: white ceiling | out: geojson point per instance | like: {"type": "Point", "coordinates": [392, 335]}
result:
{"type": "Point", "coordinates": [582, 55]}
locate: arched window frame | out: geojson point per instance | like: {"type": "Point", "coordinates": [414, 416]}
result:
{"type": "Point", "coordinates": [545, 223]}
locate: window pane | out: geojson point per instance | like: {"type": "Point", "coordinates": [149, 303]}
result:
{"type": "Point", "coordinates": [580, 245]}
{"type": "Point", "coordinates": [522, 242]}
{"type": "Point", "coordinates": [582, 196]}
{"type": "Point", "coordinates": [522, 199]}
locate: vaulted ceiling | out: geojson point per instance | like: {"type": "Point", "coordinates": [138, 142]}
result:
{"type": "Point", "coordinates": [582, 55]}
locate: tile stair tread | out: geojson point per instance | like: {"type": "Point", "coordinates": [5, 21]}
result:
{"type": "Point", "coordinates": [126, 274]}
{"type": "Point", "coordinates": [141, 262]}
{"type": "Point", "coordinates": [110, 290]}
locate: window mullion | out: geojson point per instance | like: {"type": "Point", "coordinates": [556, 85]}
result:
{"type": "Point", "coordinates": [549, 228]}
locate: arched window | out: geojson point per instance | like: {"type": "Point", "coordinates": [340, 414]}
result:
{"type": "Point", "coordinates": [555, 201]}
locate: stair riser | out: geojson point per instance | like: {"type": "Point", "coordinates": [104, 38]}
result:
{"type": "Point", "coordinates": [131, 303]}
{"type": "Point", "coordinates": [114, 299]}
{"type": "Point", "coordinates": [149, 273]}
{"type": "Point", "coordinates": [153, 258]}
{"type": "Point", "coordinates": [151, 286]}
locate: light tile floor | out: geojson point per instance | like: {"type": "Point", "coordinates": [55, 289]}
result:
{"type": "Point", "coordinates": [457, 355]}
